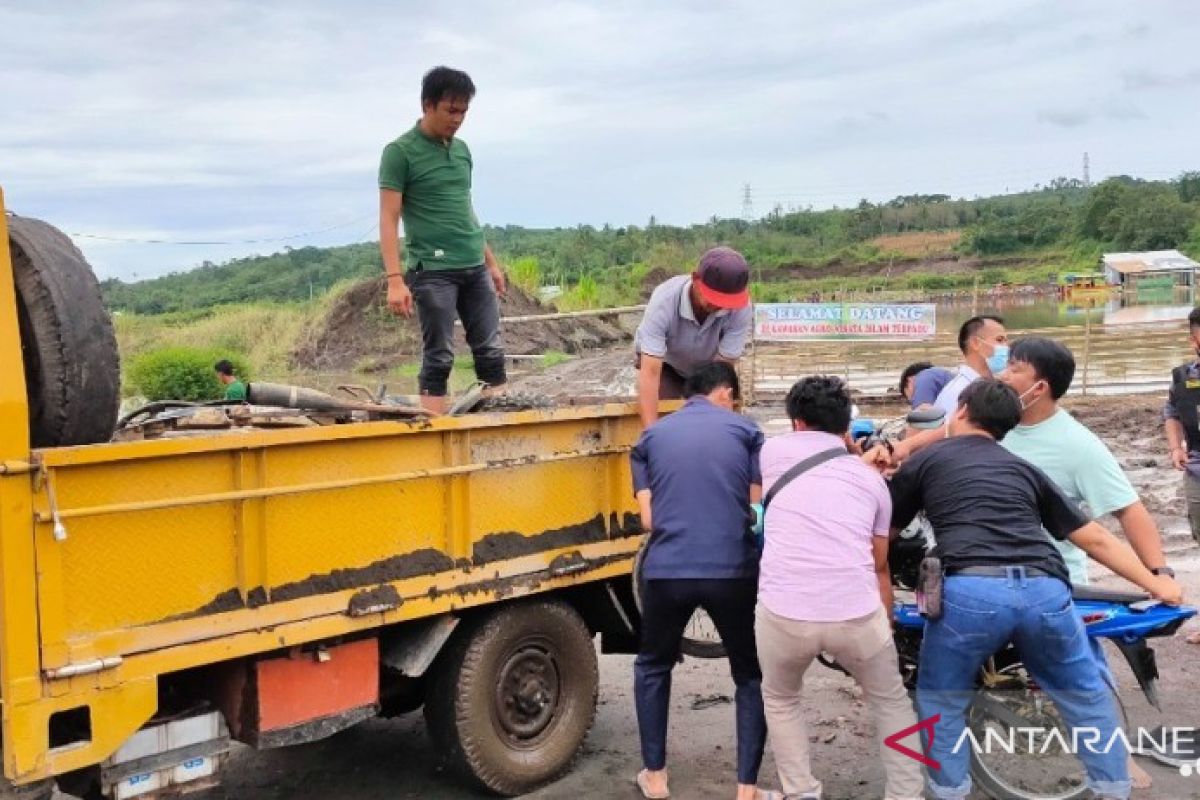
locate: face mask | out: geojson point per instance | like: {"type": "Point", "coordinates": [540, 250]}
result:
{"type": "Point", "coordinates": [1025, 406]}
{"type": "Point", "coordinates": [998, 360]}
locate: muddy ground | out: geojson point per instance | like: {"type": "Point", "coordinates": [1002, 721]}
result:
{"type": "Point", "coordinates": [382, 760]}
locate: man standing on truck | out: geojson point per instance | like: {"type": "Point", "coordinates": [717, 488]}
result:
{"type": "Point", "coordinates": [692, 320]}
{"type": "Point", "coordinates": [695, 474]}
{"type": "Point", "coordinates": [425, 179]}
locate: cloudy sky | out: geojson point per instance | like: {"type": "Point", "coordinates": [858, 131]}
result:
{"type": "Point", "coordinates": [258, 125]}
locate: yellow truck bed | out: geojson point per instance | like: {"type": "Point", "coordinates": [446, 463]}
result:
{"type": "Point", "coordinates": [123, 564]}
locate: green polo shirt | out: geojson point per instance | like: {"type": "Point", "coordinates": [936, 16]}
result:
{"type": "Point", "coordinates": [440, 228]}
{"type": "Point", "coordinates": [236, 391]}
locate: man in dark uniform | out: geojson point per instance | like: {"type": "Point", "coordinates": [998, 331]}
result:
{"type": "Point", "coordinates": [1182, 424]}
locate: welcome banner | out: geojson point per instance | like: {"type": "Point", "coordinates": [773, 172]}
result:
{"type": "Point", "coordinates": [791, 322]}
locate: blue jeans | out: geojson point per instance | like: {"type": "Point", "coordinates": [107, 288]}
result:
{"type": "Point", "coordinates": [980, 616]}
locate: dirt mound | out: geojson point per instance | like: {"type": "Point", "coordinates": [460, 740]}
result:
{"type": "Point", "coordinates": [653, 278]}
{"type": "Point", "coordinates": [359, 333]}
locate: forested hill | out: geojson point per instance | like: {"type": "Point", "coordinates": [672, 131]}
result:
{"type": "Point", "coordinates": [1063, 217]}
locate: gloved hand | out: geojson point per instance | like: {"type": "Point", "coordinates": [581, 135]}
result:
{"type": "Point", "coordinates": [758, 524]}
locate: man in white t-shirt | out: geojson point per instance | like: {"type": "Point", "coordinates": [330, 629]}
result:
{"type": "Point", "coordinates": [984, 345]}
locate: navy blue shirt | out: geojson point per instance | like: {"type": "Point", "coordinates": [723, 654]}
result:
{"type": "Point", "coordinates": [698, 464]}
{"type": "Point", "coordinates": [928, 384]}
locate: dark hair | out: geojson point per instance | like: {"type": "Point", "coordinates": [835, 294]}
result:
{"type": "Point", "coordinates": [224, 367]}
{"type": "Point", "coordinates": [444, 83]}
{"type": "Point", "coordinates": [912, 371]}
{"type": "Point", "coordinates": [972, 326]}
{"type": "Point", "coordinates": [1194, 318]}
{"type": "Point", "coordinates": [1051, 361]}
{"type": "Point", "coordinates": [991, 406]}
{"type": "Point", "coordinates": [821, 402]}
{"type": "Point", "coordinates": [710, 376]}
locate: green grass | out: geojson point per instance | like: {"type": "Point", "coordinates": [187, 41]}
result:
{"type": "Point", "coordinates": [553, 358]}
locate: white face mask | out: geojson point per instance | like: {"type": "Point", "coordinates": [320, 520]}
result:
{"type": "Point", "coordinates": [1026, 406]}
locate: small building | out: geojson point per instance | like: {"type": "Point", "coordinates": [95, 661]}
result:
{"type": "Point", "coordinates": [1150, 271]}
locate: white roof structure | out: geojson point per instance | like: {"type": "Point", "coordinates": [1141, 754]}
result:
{"type": "Point", "coordinates": [1149, 261]}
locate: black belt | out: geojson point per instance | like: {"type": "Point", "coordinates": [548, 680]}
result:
{"type": "Point", "coordinates": [1001, 572]}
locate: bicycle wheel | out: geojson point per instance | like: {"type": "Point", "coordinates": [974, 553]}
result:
{"type": "Point", "coordinates": [700, 638]}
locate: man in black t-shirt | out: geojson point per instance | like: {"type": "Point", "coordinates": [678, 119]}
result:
{"type": "Point", "coordinates": [1006, 582]}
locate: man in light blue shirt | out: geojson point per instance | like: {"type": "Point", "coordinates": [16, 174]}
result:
{"type": "Point", "coordinates": [1075, 459]}
{"type": "Point", "coordinates": [984, 345]}
{"type": "Point", "coordinates": [1040, 370]}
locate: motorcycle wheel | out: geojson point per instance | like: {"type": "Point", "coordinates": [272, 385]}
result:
{"type": "Point", "coordinates": [1027, 773]}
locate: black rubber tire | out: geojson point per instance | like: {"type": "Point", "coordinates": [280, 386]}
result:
{"type": "Point", "coordinates": [995, 787]}
{"type": "Point", "coordinates": [463, 706]}
{"type": "Point", "coordinates": [72, 372]}
{"type": "Point", "coordinates": [40, 790]}
{"type": "Point", "coordinates": [689, 646]}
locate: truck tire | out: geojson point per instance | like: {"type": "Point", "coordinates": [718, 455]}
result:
{"type": "Point", "coordinates": [514, 695]}
{"type": "Point", "coordinates": [72, 373]}
{"type": "Point", "coordinates": [41, 790]}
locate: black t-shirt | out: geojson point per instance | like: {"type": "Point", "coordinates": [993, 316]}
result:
{"type": "Point", "coordinates": [987, 506]}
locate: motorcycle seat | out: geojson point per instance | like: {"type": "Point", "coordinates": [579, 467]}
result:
{"type": "Point", "coordinates": [1099, 595]}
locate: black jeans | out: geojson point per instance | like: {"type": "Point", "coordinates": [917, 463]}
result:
{"type": "Point", "coordinates": [667, 605]}
{"type": "Point", "coordinates": [441, 295]}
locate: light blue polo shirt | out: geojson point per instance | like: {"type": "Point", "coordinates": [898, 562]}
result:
{"type": "Point", "coordinates": [1081, 466]}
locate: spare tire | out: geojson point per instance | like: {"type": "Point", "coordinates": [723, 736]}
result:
{"type": "Point", "coordinates": [72, 372]}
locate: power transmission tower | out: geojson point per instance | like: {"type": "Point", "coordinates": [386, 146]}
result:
{"type": "Point", "coordinates": [1087, 173]}
{"type": "Point", "coordinates": [747, 204]}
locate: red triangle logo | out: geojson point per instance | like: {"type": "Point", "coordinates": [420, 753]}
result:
{"type": "Point", "coordinates": [893, 741]}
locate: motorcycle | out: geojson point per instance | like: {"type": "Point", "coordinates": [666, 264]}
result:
{"type": "Point", "coordinates": [1009, 703]}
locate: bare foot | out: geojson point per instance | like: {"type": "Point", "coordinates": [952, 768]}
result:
{"type": "Point", "coordinates": [1193, 638]}
{"type": "Point", "coordinates": [653, 783]}
{"type": "Point", "coordinates": [1141, 779]}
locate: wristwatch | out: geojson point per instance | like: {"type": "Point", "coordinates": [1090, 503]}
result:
{"type": "Point", "coordinates": [1164, 570]}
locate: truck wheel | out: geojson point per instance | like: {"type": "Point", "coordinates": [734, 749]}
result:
{"type": "Point", "coordinates": [513, 697]}
{"type": "Point", "coordinates": [72, 374]}
{"type": "Point", "coordinates": [41, 790]}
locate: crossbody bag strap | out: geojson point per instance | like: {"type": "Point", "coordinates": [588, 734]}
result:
{"type": "Point", "coordinates": [799, 469]}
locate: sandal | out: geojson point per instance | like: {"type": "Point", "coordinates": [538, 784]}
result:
{"type": "Point", "coordinates": [643, 783]}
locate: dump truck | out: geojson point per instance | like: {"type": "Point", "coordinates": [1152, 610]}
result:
{"type": "Point", "coordinates": [163, 599]}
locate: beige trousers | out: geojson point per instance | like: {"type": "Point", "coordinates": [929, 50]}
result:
{"type": "Point", "coordinates": [786, 649]}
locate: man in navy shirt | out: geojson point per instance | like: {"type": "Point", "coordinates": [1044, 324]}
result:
{"type": "Point", "coordinates": [695, 474]}
{"type": "Point", "coordinates": [922, 382]}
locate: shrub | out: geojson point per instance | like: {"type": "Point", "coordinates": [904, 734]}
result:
{"type": "Point", "coordinates": [181, 373]}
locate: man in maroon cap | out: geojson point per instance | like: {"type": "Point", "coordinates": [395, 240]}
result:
{"type": "Point", "coordinates": [689, 321]}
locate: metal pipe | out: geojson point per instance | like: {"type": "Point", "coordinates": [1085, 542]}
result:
{"type": "Point", "coordinates": [321, 486]}
{"type": "Point", "coordinates": [591, 312]}
{"type": "Point", "coordinates": [84, 667]}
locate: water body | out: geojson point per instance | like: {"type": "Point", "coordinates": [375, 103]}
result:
{"type": "Point", "coordinates": [1040, 311]}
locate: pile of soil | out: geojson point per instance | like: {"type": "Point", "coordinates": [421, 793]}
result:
{"type": "Point", "coordinates": [360, 333]}
{"type": "Point", "coordinates": [653, 278]}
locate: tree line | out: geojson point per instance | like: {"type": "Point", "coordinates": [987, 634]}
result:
{"type": "Point", "coordinates": [1122, 213]}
